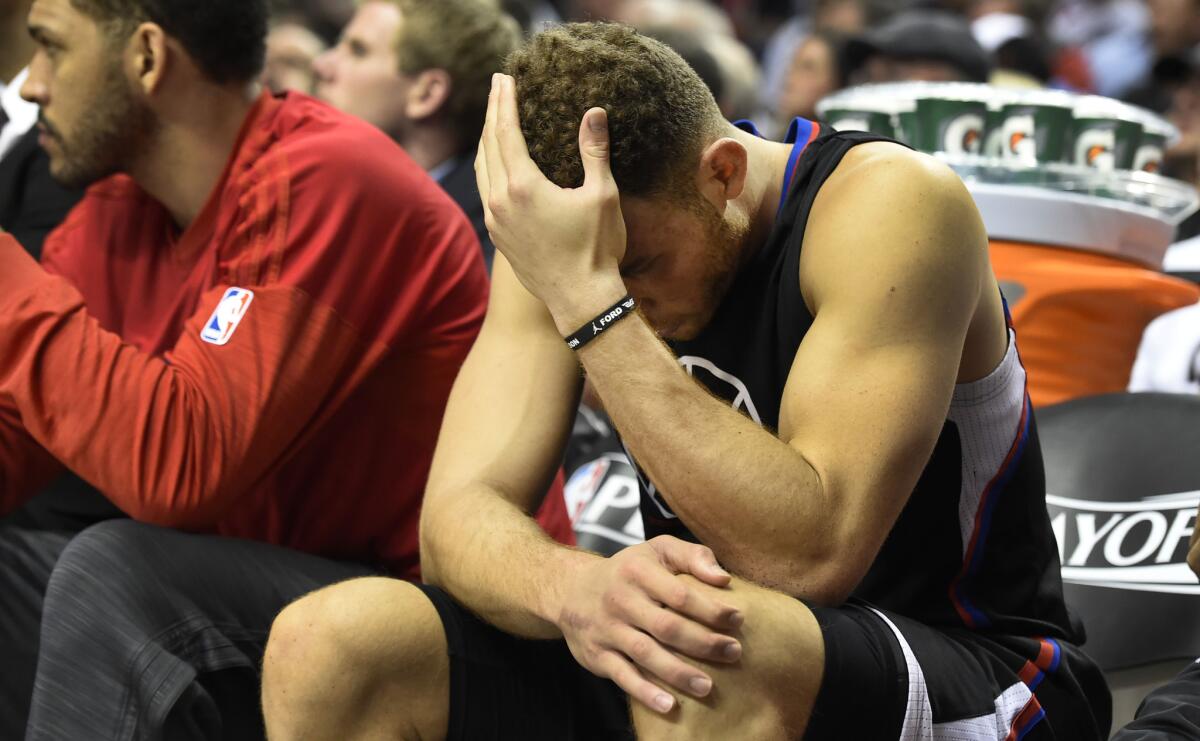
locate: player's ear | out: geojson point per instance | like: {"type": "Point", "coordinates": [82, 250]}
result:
{"type": "Point", "coordinates": [428, 93]}
{"type": "Point", "coordinates": [722, 174]}
{"type": "Point", "coordinates": [145, 56]}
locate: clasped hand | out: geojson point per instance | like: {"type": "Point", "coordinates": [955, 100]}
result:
{"type": "Point", "coordinates": [631, 618]}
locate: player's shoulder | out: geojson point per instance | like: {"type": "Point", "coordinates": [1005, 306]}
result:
{"type": "Point", "coordinates": [886, 169]}
{"type": "Point", "coordinates": [884, 188]}
{"type": "Point", "coordinates": [890, 214]}
{"type": "Point", "coordinates": [109, 207]}
{"type": "Point", "coordinates": [317, 139]}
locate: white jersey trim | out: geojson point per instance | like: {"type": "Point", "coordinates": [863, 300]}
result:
{"type": "Point", "coordinates": [987, 414]}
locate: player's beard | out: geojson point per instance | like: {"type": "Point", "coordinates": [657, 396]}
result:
{"type": "Point", "coordinates": [725, 251]}
{"type": "Point", "coordinates": [108, 136]}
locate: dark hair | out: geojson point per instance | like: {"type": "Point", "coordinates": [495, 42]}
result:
{"type": "Point", "coordinates": [660, 114]}
{"type": "Point", "coordinates": [226, 38]}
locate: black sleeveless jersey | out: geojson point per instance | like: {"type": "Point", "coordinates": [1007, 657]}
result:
{"type": "Point", "coordinates": [973, 547]}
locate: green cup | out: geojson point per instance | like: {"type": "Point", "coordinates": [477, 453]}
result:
{"type": "Point", "coordinates": [1105, 134]}
{"type": "Point", "coordinates": [993, 137]}
{"type": "Point", "coordinates": [860, 119]}
{"type": "Point", "coordinates": [952, 126]}
{"type": "Point", "coordinates": [1037, 128]}
{"type": "Point", "coordinates": [1105, 144]}
{"type": "Point", "coordinates": [1149, 157]}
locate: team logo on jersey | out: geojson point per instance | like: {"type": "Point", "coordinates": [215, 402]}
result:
{"type": "Point", "coordinates": [1140, 545]}
{"type": "Point", "coordinates": [705, 371]}
{"type": "Point", "coordinates": [225, 319]}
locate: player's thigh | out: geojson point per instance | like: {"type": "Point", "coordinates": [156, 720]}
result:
{"type": "Point", "coordinates": [769, 692]}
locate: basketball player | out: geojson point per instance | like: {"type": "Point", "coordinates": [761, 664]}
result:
{"type": "Point", "coordinates": [841, 467]}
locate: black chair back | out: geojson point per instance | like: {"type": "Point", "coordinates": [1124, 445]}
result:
{"type": "Point", "coordinates": [1123, 482]}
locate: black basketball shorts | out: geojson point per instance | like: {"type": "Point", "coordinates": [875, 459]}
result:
{"type": "Point", "coordinates": [886, 677]}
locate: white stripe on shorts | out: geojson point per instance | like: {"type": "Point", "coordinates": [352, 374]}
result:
{"type": "Point", "coordinates": [918, 714]}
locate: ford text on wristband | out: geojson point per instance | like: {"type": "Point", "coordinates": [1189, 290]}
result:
{"type": "Point", "coordinates": [593, 329]}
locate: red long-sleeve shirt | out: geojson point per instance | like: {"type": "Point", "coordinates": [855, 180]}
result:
{"type": "Point", "coordinates": [313, 425]}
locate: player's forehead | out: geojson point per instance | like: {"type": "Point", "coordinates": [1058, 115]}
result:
{"type": "Point", "coordinates": [375, 24]}
{"type": "Point", "coordinates": [657, 225]}
{"type": "Point", "coordinates": [53, 17]}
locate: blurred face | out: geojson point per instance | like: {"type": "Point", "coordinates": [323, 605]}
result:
{"type": "Point", "coordinates": [679, 262]}
{"type": "Point", "coordinates": [812, 76]}
{"type": "Point", "coordinates": [361, 75]}
{"type": "Point", "coordinates": [291, 51]}
{"type": "Point", "coordinates": [92, 122]}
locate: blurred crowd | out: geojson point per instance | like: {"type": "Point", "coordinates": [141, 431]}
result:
{"type": "Point", "coordinates": [771, 60]}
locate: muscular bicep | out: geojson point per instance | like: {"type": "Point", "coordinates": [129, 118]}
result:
{"type": "Point", "coordinates": [869, 390]}
{"type": "Point", "coordinates": [510, 412]}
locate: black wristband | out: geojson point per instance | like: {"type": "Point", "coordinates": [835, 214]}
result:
{"type": "Point", "coordinates": [611, 316]}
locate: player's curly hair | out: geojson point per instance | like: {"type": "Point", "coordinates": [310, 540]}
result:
{"type": "Point", "coordinates": [661, 116]}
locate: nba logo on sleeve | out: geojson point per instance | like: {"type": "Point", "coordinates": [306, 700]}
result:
{"type": "Point", "coordinates": [228, 315]}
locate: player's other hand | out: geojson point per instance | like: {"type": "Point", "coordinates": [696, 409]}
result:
{"type": "Point", "coordinates": [564, 244]}
{"type": "Point", "coordinates": [631, 617]}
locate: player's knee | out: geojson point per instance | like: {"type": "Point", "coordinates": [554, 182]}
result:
{"type": "Point", "coordinates": [339, 644]}
{"type": "Point", "coordinates": [769, 692]}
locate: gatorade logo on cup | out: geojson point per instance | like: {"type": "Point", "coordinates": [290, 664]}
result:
{"type": "Point", "coordinates": [1019, 143]}
{"type": "Point", "coordinates": [1149, 158]}
{"type": "Point", "coordinates": [963, 134]}
{"type": "Point", "coordinates": [1095, 147]}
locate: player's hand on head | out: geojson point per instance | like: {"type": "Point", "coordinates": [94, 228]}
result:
{"type": "Point", "coordinates": [560, 242]}
{"type": "Point", "coordinates": [631, 618]}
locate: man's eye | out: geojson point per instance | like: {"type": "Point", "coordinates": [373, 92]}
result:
{"type": "Point", "coordinates": [357, 49]}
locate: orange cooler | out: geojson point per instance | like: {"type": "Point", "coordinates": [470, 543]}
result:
{"type": "Point", "coordinates": [1080, 315]}
{"type": "Point", "coordinates": [1082, 278]}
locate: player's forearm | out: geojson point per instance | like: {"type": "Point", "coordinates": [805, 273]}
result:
{"type": "Point", "coordinates": [746, 494]}
{"type": "Point", "coordinates": [495, 559]}
{"type": "Point", "coordinates": [165, 448]}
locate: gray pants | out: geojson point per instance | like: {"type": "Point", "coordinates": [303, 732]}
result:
{"type": "Point", "coordinates": [129, 631]}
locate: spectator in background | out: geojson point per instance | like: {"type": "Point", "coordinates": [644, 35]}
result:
{"type": "Point", "coordinates": [837, 18]}
{"type": "Point", "coordinates": [741, 76]}
{"type": "Point", "coordinates": [1014, 43]}
{"type": "Point", "coordinates": [928, 45]}
{"type": "Point", "coordinates": [816, 72]}
{"type": "Point", "coordinates": [420, 70]}
{"type": "Point", "coordinates": [531, 15]}
{"type": "Point", "coordinates": [291, 50]}
{"type": "Point", "coordinates": [326, 18]}
{"type": "Point", "coordinates": [31, 203]}
{"type": "Point", "coordinates": [1110, 36]}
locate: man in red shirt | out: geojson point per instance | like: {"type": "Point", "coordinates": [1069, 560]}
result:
{"type": "Point", "coordinates": [247, 329]}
